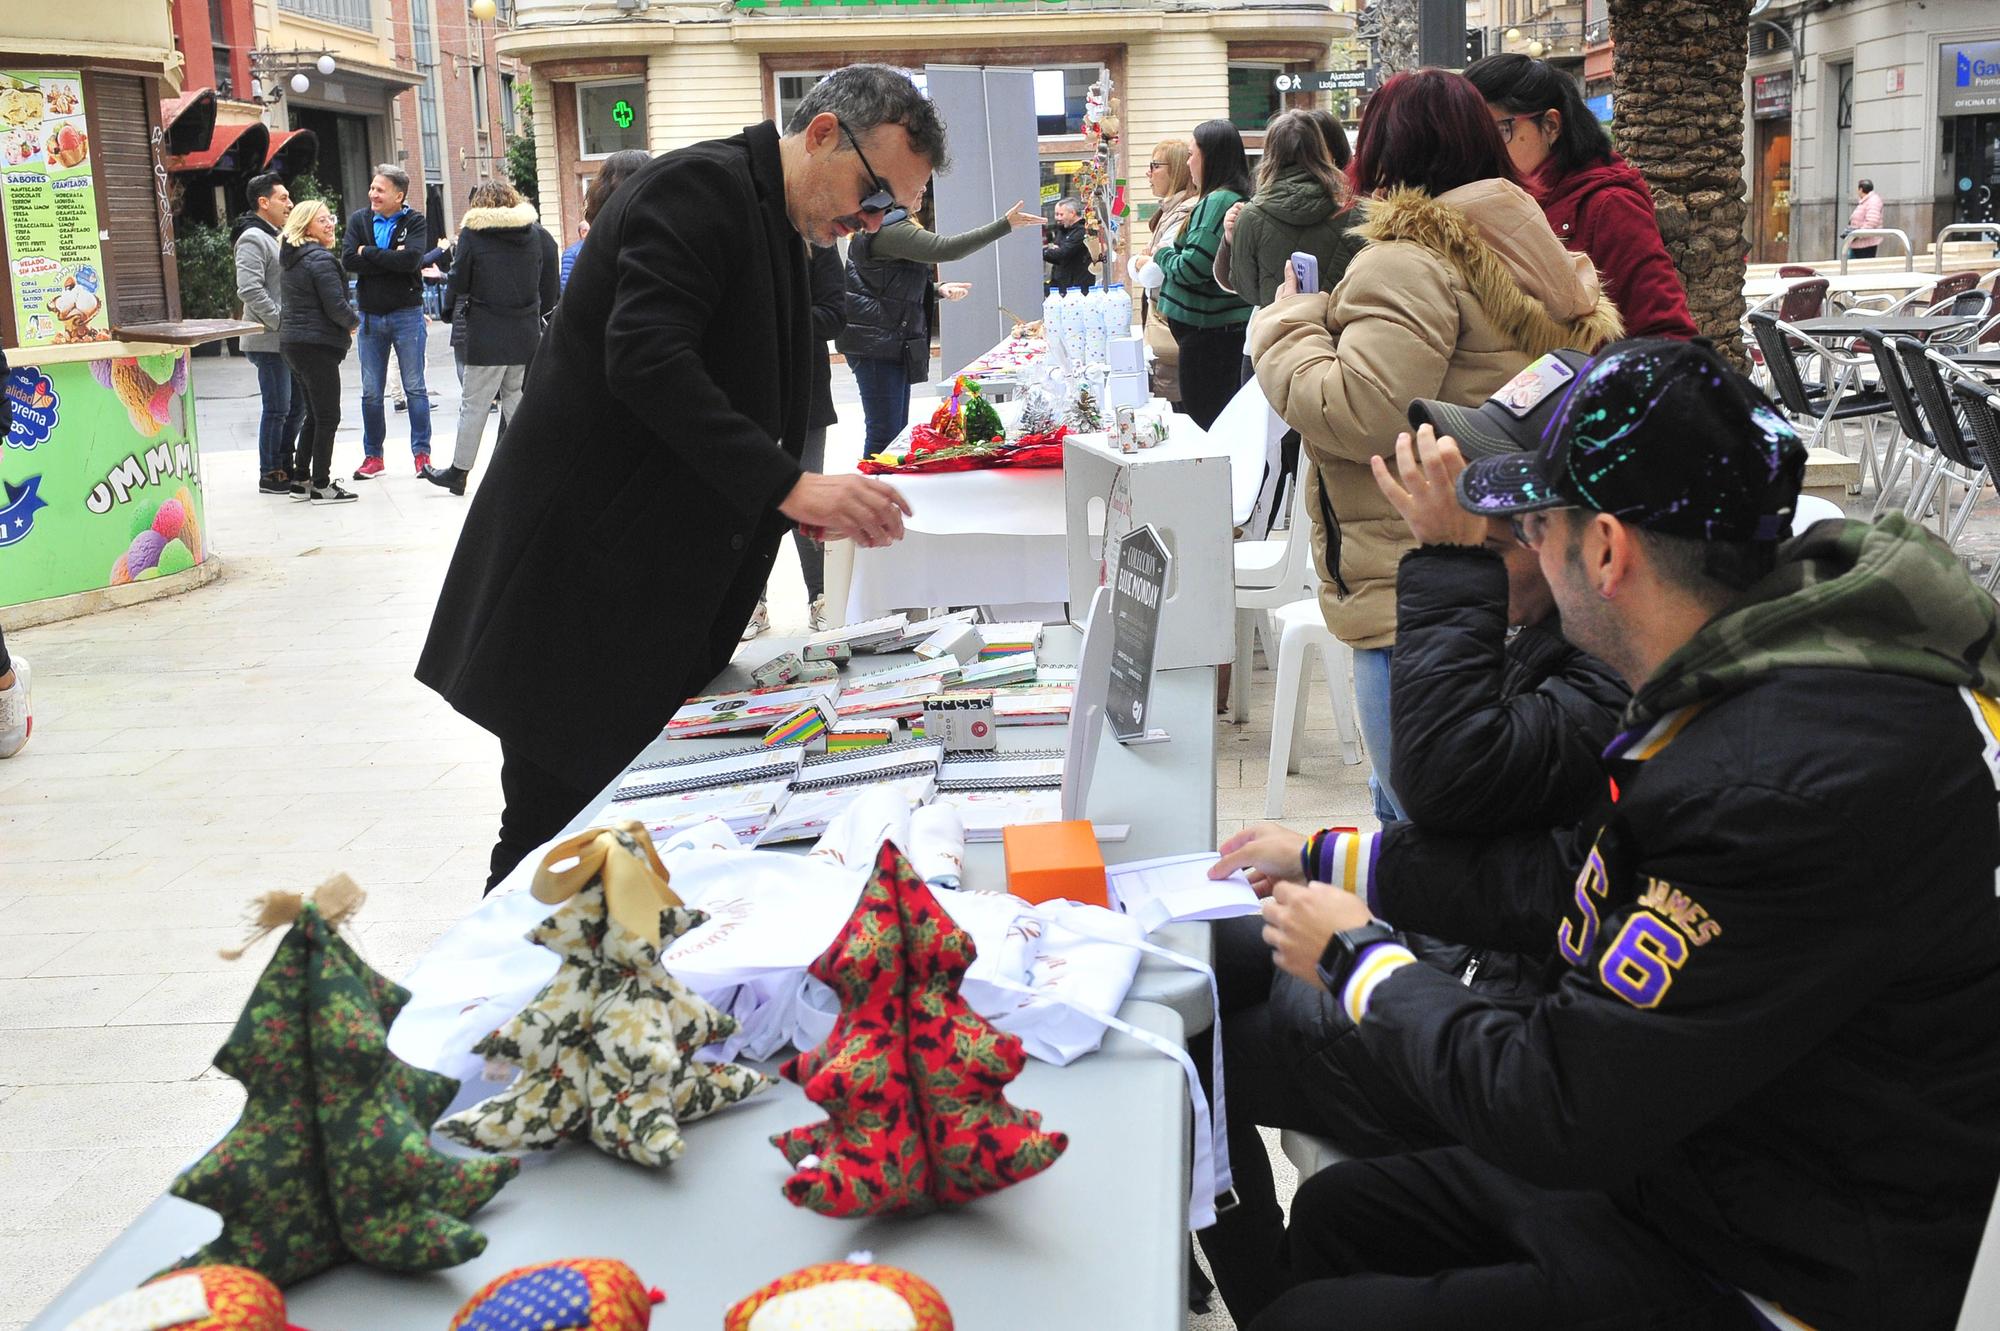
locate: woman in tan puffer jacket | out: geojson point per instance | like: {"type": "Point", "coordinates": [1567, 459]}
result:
{"type": "Point", "coordinates": [1460, 285]}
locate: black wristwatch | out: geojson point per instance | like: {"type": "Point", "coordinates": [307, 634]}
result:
{"type": "Point", "coordinates": [1337, 961]}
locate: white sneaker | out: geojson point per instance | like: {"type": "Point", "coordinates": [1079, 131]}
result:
{"type": "Point", "coordinates": [17, 718]}
{"type": "Point", "coordinates": [758, 622]}
{"type": "Point", "coordinates": [820, 622]}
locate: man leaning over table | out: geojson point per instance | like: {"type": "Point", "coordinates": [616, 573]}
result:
{"type": "Point", "coordinates": [631, 517]}
{"type": "Point", "coordinates": [1772, 1060]}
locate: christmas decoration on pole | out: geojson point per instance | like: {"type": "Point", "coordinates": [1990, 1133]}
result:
{"type": "Point", "coordinates": [1096, 183]}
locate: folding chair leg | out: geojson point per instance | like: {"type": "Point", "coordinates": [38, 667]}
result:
{"type": "Point", "coordinates": [1284, 712]}
{"type": "Point", "coordinates": [1339, 665]}
{"type": "Point", "coordinates": [1890, 472]}
{"type": "Point", "coordinates": [1299, 716]}
{"type": "Point", "coordinates": [1964, 513]}
{"type": "Point", "coordinates": [1246, 657]}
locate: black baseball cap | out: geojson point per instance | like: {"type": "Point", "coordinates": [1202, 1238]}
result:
{"type": "Point", "coordinates": [1662, 434]}
{"type": "Point", "coordinates": [1513, 418]}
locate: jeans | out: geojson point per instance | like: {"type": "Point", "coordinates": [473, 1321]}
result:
{"type": "Point", "coordinates": [885, 398]}
{"type": "Point", "coordinates": [1371, 709]}
{"type": "Point", "coordinates": [403, 330]}
{"type": "Point", "coordinates": [284, 411]}
{"type": "Point", "coordinates": [484, 383]}
{"type": "Point", "coordinates": [317, 369]}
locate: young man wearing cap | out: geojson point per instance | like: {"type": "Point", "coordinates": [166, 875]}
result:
{"type": "Point", "coordinates": [1772, 1066]}
{"type": "Point", "coordinates": [1497, 724]}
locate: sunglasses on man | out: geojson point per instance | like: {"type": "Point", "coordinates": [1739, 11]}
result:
{"type": "Point", "coordinates": [880, 198]}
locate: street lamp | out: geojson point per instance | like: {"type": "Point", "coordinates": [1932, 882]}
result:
{"type": "Point", "coordinates": [484, 10]}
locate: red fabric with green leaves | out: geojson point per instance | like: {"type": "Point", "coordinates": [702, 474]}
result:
{"type": "Point", "coordinates": [911, 1077]}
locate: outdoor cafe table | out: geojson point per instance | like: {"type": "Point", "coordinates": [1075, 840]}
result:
{"type": "Point", "coordinates": [1903, 325]}
{"type": "Point", "coordinates": [1984, 362]}
{"type": "Point", "coordinates": [1098, 1240]}
{"type": "Point", "coordinates": [1896, 283]}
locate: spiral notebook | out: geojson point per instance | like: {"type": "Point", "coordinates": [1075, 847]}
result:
{"type": "Point", "coordinates": [992, 791]}
{"type": "Point", "coordinates": [743, 787]}
{"type": "Point", "coordinates": [826, 785]}
{"type": "Point", "coordinates": [752, 709]}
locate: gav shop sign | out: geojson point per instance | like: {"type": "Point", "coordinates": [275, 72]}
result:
{"type": "Point", "coordinates": [1968, 78]}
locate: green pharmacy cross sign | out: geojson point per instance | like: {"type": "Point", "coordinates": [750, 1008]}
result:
{"type": "Point", "coordinates": [621, 112]}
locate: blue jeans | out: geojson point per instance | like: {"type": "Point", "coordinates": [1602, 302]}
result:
{"type": "Point", "coordinates": [885, 398]}
{"type": "Point", "coordinates": [1371, 710]}
{"type": "Point", "coordinates": [284, 411]}
{"type": "Point", "coordinates": [404, 330]}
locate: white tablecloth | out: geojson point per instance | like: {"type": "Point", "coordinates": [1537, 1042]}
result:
{"type": "Point", "coordinates": [976, 538]}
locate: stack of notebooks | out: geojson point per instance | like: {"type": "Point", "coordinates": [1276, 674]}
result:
{"type": "Point", "coordinates": [873, 635]}
{"type": "Point", "coordinates": [994, 790]}
{"type": "Point", "coordinates": [1009, 639]}
{"type": "Point", "coordinates": [896, 692]}
{"type": "Point", "coordinates": [752, 709]}
{"type": "Point", "coordinates": [825, 786]}
{"type": "Point", "coordinates": [1046, 701]}
{"type": "Point", "coordinates": [743, 787]}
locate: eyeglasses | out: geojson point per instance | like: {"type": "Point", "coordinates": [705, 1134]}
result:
{"type": "Point", "coordinates": [1505, 124]}
{"type": "Point", "coordinates": [1531, 529]}
{"type": "Point", "coordinates": [1157, 166]}
{"type": "Point", "coordinates": [881, 198]}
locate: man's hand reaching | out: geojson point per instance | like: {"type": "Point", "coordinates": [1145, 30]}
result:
{"type": "Point", "coordinates": [858, 508]}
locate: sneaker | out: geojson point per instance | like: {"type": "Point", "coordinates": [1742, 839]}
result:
{"type": "Point", "coordinates": [820, 622]}
{"type": "Point", "coordinates": [334, 493]}
{"type": "Point", "coordinates": [17, 718]}
{"type": "Point", "coordinates": [369, 467]}
{"type": "Point", "coordinates": [758, 622]}
{"type": "Point", "coordinates": [299, 490]}
{"type": "Point", "coordinates": [423, 463]}
{"type": "Point", "coordinates": [402, 404]}
{"type": "Point", "coordinates": [274, 483]}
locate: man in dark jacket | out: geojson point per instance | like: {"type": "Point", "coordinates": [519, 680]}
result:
{"type": "Point", "coordinates": [253, 241]}
{"type": "Point", "coordinates": [621, 538]}
{"type": "Point", "coordinates": [1771, 1064]}
{"type": "Point", "coordinates": [388, 244]}
{"type": "Point", "coordinates": [1066, 253]}
{"type": "Point", "coordinates": [1497, 721]}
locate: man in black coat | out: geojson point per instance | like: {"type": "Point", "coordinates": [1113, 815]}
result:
{"type": "Point", "coordinates": [1771, 1064]}
{"type": "Point", "coordinates": [387, 246]}
{"type": "Point", "coordinates": [1065, 252]}
{"type": "Point", "coordinates": [619, 542]}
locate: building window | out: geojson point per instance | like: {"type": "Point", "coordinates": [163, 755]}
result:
{"type": "Point", "coordinates": [479, 121]}
{"type": "Point", "coordinates": [1253, 95]}
{"type": "Point", "coordinates": [348, 13]}
{"type": "Point", "coordinates": [507, 96]}
{"type": "Point", "coordinates": [611, 116]}
{"type": "Point", "coordinates": [1059, 98]}
{"type": "Point", "coordinates": [423, 48]}
{"type": "Point", "coordinates": [792, 89]}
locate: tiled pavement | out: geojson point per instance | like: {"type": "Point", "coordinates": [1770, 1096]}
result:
{"type": "Point", "coordinates": [259, 733]}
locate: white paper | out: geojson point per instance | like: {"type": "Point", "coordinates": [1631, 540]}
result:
{"type": "Point", "coordinates": [986, 812]}
{"type": "Point", "coordinates": [1177, 887]}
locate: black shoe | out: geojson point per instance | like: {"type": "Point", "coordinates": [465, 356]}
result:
{"type": "Point", "coordinates": [274, 483]}
{"type": "Point", "coordinates": [451, 478]}
{"type": "Point", "coordinates": [403, 405]}
{"type": "Point", "coordinates": [333, 493]}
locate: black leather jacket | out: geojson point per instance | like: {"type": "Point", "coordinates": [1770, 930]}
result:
{"type": "Point", "coordinates": [885, 307]}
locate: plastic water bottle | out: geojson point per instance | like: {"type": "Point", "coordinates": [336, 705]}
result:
{"type": "Point", "coordinates": [1076, 345]}
{"type": "Point", "coordinates": [1117, 312]}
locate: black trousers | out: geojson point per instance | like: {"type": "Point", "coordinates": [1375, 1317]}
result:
{"type": "Point", "coordinates": [537, 805]}
{"type": "Point", "coordinates": [316, 369]}
{"type": "Point", "coordinates": [1443, 1239]}
{"type": "Point", "coordinates": [1211, 368]}
{"type": "Point", "coordinates": [6, 661]}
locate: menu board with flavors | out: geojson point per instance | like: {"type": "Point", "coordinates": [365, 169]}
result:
{"type": "Point", "coordinates": [49, 206]}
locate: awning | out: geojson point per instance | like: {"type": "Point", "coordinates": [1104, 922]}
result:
{"type": "Point", "coordinates": [293, 152]}
{"type": "Point", "coordinates": [234, 148]}
{"type": "Point", "coordinates": [188, 120]}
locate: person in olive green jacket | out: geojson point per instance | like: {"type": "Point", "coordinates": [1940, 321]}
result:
{"type": "Point", "coordinates": [1302, 205]}
{"type": "Point", "coordinates": [1207, 320]}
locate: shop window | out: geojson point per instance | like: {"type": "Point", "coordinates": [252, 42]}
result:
{"type": "Point", "coordinates": [1059, 97]}
{"type": "Point", "coordinates": [611, 117]}
{"type": "Point", "coordinates": [123, 150]}
{"type": "Point", "coordinates": [791, 89]}
{"type": "Point", "coordinates": [1253, 95]}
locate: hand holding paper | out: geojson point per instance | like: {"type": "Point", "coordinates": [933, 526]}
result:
{"type": "Point", "coordinates": [1264, 853]}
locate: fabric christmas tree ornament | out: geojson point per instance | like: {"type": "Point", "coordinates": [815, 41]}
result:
{"type": "Point", "coordinates": [606, 1049]}
{"type": "Point", "coordinates": [854, 1295]}
{"type": "Point", "coordinates": [912, 1078]}
{"type": "Point", "coordinates": [579, 1294]}
{"type": "Point", "coordinates": [622, 860]}
{"type": "Point", "coordinates": [331, 1159]}
{"type": "Point", "coordinates": [209, 1298]}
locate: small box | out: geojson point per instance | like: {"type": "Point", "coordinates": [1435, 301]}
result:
{"type": "Point", "coordinates": [1125, 436]}
{"type": "Point", "coordinates": [839, 653]}
{"type": "Point", "coordinates": [818, 672]}
{"type": "Point", "coordinates": [782, 669]}
{"type": "Point", "coordinates": [1128, 355]}
{"type": "Point", "coordinates": [808, 725]}
{"type": "Point", "coordinates": [1126, 390]}
{"type": "Point", "coordinates": [847, 736]}
{"type": "Point", "coordinates": [1054, 861]}
{"type": "Point", "coordinates": [963, 721]}
{"type": "Point", "coordinates": [959, 642]}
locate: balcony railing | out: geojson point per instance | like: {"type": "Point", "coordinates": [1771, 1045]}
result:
{"type": "Point", "coordinates": [348, 13]}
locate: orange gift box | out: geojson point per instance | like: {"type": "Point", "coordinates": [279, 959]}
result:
{"type": "Point", "coordinates": [1050, 861]}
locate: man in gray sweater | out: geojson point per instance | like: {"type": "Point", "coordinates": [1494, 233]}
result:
{"type": "Point", "coordinates": [254, 236]}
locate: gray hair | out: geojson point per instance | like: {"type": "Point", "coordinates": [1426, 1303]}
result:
{"type": "Point", "coordinates": [864, 96]}
{"type": "Point", "coordinates": [395, 175]}
{"type": "Point", "coordinates": [1067, 202]}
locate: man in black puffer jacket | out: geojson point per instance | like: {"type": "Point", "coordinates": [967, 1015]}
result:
{"type": "Point", "coordinates": [1498, 722]}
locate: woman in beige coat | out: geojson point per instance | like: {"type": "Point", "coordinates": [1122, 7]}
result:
{"type": "Point", "coordinates": [1167, 175]}
{"type": "Point", "coordinates": [1460, 285]}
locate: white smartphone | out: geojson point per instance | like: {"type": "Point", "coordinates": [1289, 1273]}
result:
{"type": "Point", "coordinates": [1306, 268]}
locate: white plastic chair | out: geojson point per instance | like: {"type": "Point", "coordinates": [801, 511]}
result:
{"type": "Point", "coordinates": [1301, 631]}
{"type": "Point", "coordinates": [1269, 574]}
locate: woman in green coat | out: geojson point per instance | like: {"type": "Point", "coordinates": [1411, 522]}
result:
{"type": "Point", "coordinates": [1303, 205]}
{"type": "Point", "coordinates": [1207, 320]}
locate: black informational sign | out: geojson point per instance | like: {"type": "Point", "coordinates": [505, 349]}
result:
{"type": "Point", "coordinates": [1143, 563]}
{"type": "Point", "coordinates": [1331, 80]}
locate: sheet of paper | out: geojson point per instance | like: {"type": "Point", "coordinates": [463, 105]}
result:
{"type": "Point", "coordinates": [1177, 887]}
{"type": "Point", "coordinates": [986, 812]}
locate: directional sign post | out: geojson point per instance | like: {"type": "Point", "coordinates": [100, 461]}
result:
{"type": "Point", "coordinates": [1332, 80]}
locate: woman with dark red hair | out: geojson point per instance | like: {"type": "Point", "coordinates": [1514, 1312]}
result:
{"type": "Point", "coordinates": [1460, 285]}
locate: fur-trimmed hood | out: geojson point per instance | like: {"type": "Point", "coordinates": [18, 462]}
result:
{"type": "Point", "coordinates": [498, 219]}
{"type": "Point", "coordinates": [1495, 236]}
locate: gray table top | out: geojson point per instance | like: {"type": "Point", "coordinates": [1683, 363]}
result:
{"type": "Point", "coordinates": [1909, 324]}
{"type": "Point", "coordinates": [1987, 358]}
{"type": "Point", "coordinates": [1095, 1241]}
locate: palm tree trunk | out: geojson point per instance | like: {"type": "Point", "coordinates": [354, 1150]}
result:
{"type": "Point", "coordinates": [1678, 110]}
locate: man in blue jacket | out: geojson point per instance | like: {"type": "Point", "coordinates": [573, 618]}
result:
{"type": "Point", "coordinates": [388, 246]}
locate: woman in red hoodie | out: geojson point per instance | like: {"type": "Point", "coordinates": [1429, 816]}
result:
{"type": "Point", "coordinates": [1596, 203]}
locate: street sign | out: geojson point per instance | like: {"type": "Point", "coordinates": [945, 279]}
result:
{"type": "Point", "coordinates": [1332, 80]}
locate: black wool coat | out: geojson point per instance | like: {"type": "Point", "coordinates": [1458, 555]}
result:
{"type": "Point", "coordinates": [629, 519]}
{"type": "Point", "coordinates": [829, 316]}
{"type": "Point", "coordinates": [504, 274]}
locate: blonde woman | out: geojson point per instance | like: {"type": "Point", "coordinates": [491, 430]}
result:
{"type": "Point", "coordinates": [315, 328]}
{"type": "Point", "coordinates": [1172, 184]}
